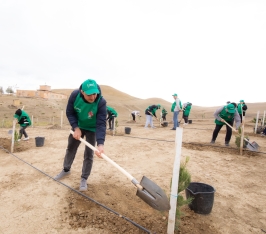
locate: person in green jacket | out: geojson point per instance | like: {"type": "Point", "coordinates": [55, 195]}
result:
{"type": "Point", "coordinates": [111, 115]}
{"type": "Point", "coordinates": [186, 111]}
{"type": "Point", "coordinates": [241, 108]}
{"type": "Point", "coordinates": [24, 121]}
{"type": "Point", "coordinates": [150, 112]}
{"type": "Point", "coordinates": [86, 113]}
{"type": "Point", "coordinates": [164, 113]}
{"type": "Point", "coordinates": [224, 114]}
{"type": "Point", "coordinates": [176, 108]}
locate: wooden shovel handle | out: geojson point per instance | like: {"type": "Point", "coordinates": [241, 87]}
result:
{"type": "Point", "coordinates": [234, 129]}
{"type": "Point", "coordinates": [229, 125]}
{"type": "Point", "coordinates": [130, 177]}
{"type": "Point", "coordinates": [153, 115]}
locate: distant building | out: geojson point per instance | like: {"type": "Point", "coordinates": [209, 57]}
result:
{"type": "Point", "coordinates": [44, 92]}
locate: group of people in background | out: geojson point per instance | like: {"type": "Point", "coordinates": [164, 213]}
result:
{"type": "Point", "coordinates": [177, 107]}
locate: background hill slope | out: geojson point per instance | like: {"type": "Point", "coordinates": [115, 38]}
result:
{"type": "Point", "coordinates": [122, 102]}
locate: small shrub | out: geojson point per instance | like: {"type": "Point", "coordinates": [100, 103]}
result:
{"type": "Point", "coordinates": [116, 123]}
{"type": "Point", "coordinates": [16, 135]}
{"type": "Point", "coordinates": [183, 183]}
{"type": "Point", "coordinates": [238, 139]}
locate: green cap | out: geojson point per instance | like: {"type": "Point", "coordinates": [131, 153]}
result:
{"type": "Point", "coordinates": [241, 101]}
{"type": "Point", "coordinates": [174, 95]}
{"type": "Point", "coordinates": [90, 87]}
{"type": "Point", "coordinates": [159, 106]}
{"type": "Point", "coordinates": [231, 108]}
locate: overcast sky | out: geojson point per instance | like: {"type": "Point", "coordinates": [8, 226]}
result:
{"type": "Point", "coordinates": [206, 51]}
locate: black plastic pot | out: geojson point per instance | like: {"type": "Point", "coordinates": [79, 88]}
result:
{"type": "Point", "coordinates": [203, 197]}
{"type": "Point", "coordinates": [164, 124]}
{"type": "Point", "coordinates": [190, 121]}
{"type": "Point", "coordinates": [127, 130]}
{"type": "Point", "coordinates": [39, 141]}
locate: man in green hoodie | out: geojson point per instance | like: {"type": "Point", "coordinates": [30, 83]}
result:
{"type": "Point", "coordinates": [86, 113]}
{"type": "Point", "coordinates": [164, 113]}
{"type": "Point", "coordinates": [111, 115]}
{"type": "Point", "coordinates": [24, 121]}
{"type": "Point", "coordinates": [186, 111]}
{"type": "Point", "coordinates": [150, 112]}
{"type": "Point", "coordinates": [224, 114]}
{"type": "Point", "coordinates": [241, 108]}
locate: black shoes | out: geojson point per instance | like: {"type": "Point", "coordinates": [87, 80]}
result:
{"type": "Point", "coordinates": [172, 129]}
{"type": "Point", "coordinates": [227, 143]}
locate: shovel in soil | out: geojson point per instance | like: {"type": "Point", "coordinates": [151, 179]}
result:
{"type": "Point", "coordinates": [148, 191]}
{"type": "Point", "coordinates": [251, 146]}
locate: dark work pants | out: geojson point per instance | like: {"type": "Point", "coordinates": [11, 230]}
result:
{"type": "Point", "coordinates": [71, 151]}
{"type": "Point", "coordinates": [185, 118]}
{"type": "Point", "coordinates": [111, 123]}
{"type": "Point", "coordinates": [240, 117]}
{"type": "Point", "coordinates": [228, 132]}
{"type": "Point", "coordinates": [164, 117]}
{"type": "Point", "coordinates": [133, 116]}
{"type": "Point", "coordinates": [22, 131]}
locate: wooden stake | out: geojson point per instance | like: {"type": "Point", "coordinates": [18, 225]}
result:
{"type": "Point", "coordinates": [257, 120]}
{"type": "Point", "coordinates": [263, 119]}
{"type": "Point", "coordinates": [175, 178]}
{"type": "Point", "coordinates": [13, 135]}
{"type": "Point", "coordinates": [242, 132]}
{"type": "Point", "coordinates": [113, 126]}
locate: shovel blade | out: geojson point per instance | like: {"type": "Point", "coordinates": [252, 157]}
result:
{"type": "Point", "coordinates": [153, 195]}
{"type": "Point", "coordinates": [253, 146]}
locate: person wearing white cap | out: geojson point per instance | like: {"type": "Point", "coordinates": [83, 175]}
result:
{"type": "Point", "coordinates": [134, 114]}
{"type": "Point", "coordinates": [176, 108]}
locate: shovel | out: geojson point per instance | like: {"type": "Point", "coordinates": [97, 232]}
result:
{"type": "Point", "coordinates": [251, 146]}
{"type": "Point", "coordinates": [147, 190]}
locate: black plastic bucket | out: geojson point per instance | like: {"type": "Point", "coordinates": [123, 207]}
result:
{"type": "Point", "coordinates": [164, 124]}
{"type": "Point", "coordinates": [203, 197]}
{"type": "Point", "coordinates": [127, 130]}
{"type": "Point", "coordinates": [259, 129]}
{"type": "Point", "coordinates": [190, 121]}
{"type": "Point", "coordinates": [39, 141]}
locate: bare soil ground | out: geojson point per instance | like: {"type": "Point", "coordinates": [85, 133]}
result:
{"type": "Point", "coordinates": [33, 202]}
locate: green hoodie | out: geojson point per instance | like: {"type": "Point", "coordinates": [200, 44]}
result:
{"type": "Point", "coordinates": [112, 111]}
{"type": "Point", "coordinates": [187, 110]}
{"type": "Point", "coordinates": [86, 113]}
{"type": "Point", "coordinates": [24, 119]}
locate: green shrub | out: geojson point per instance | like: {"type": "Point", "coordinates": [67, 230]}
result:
{"type": "Point", "coordinates": [183, 183]}
{"type": "Point", "coordinates": [16, 135]}
{"type": "Point", "coordinates": [238, 139]}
